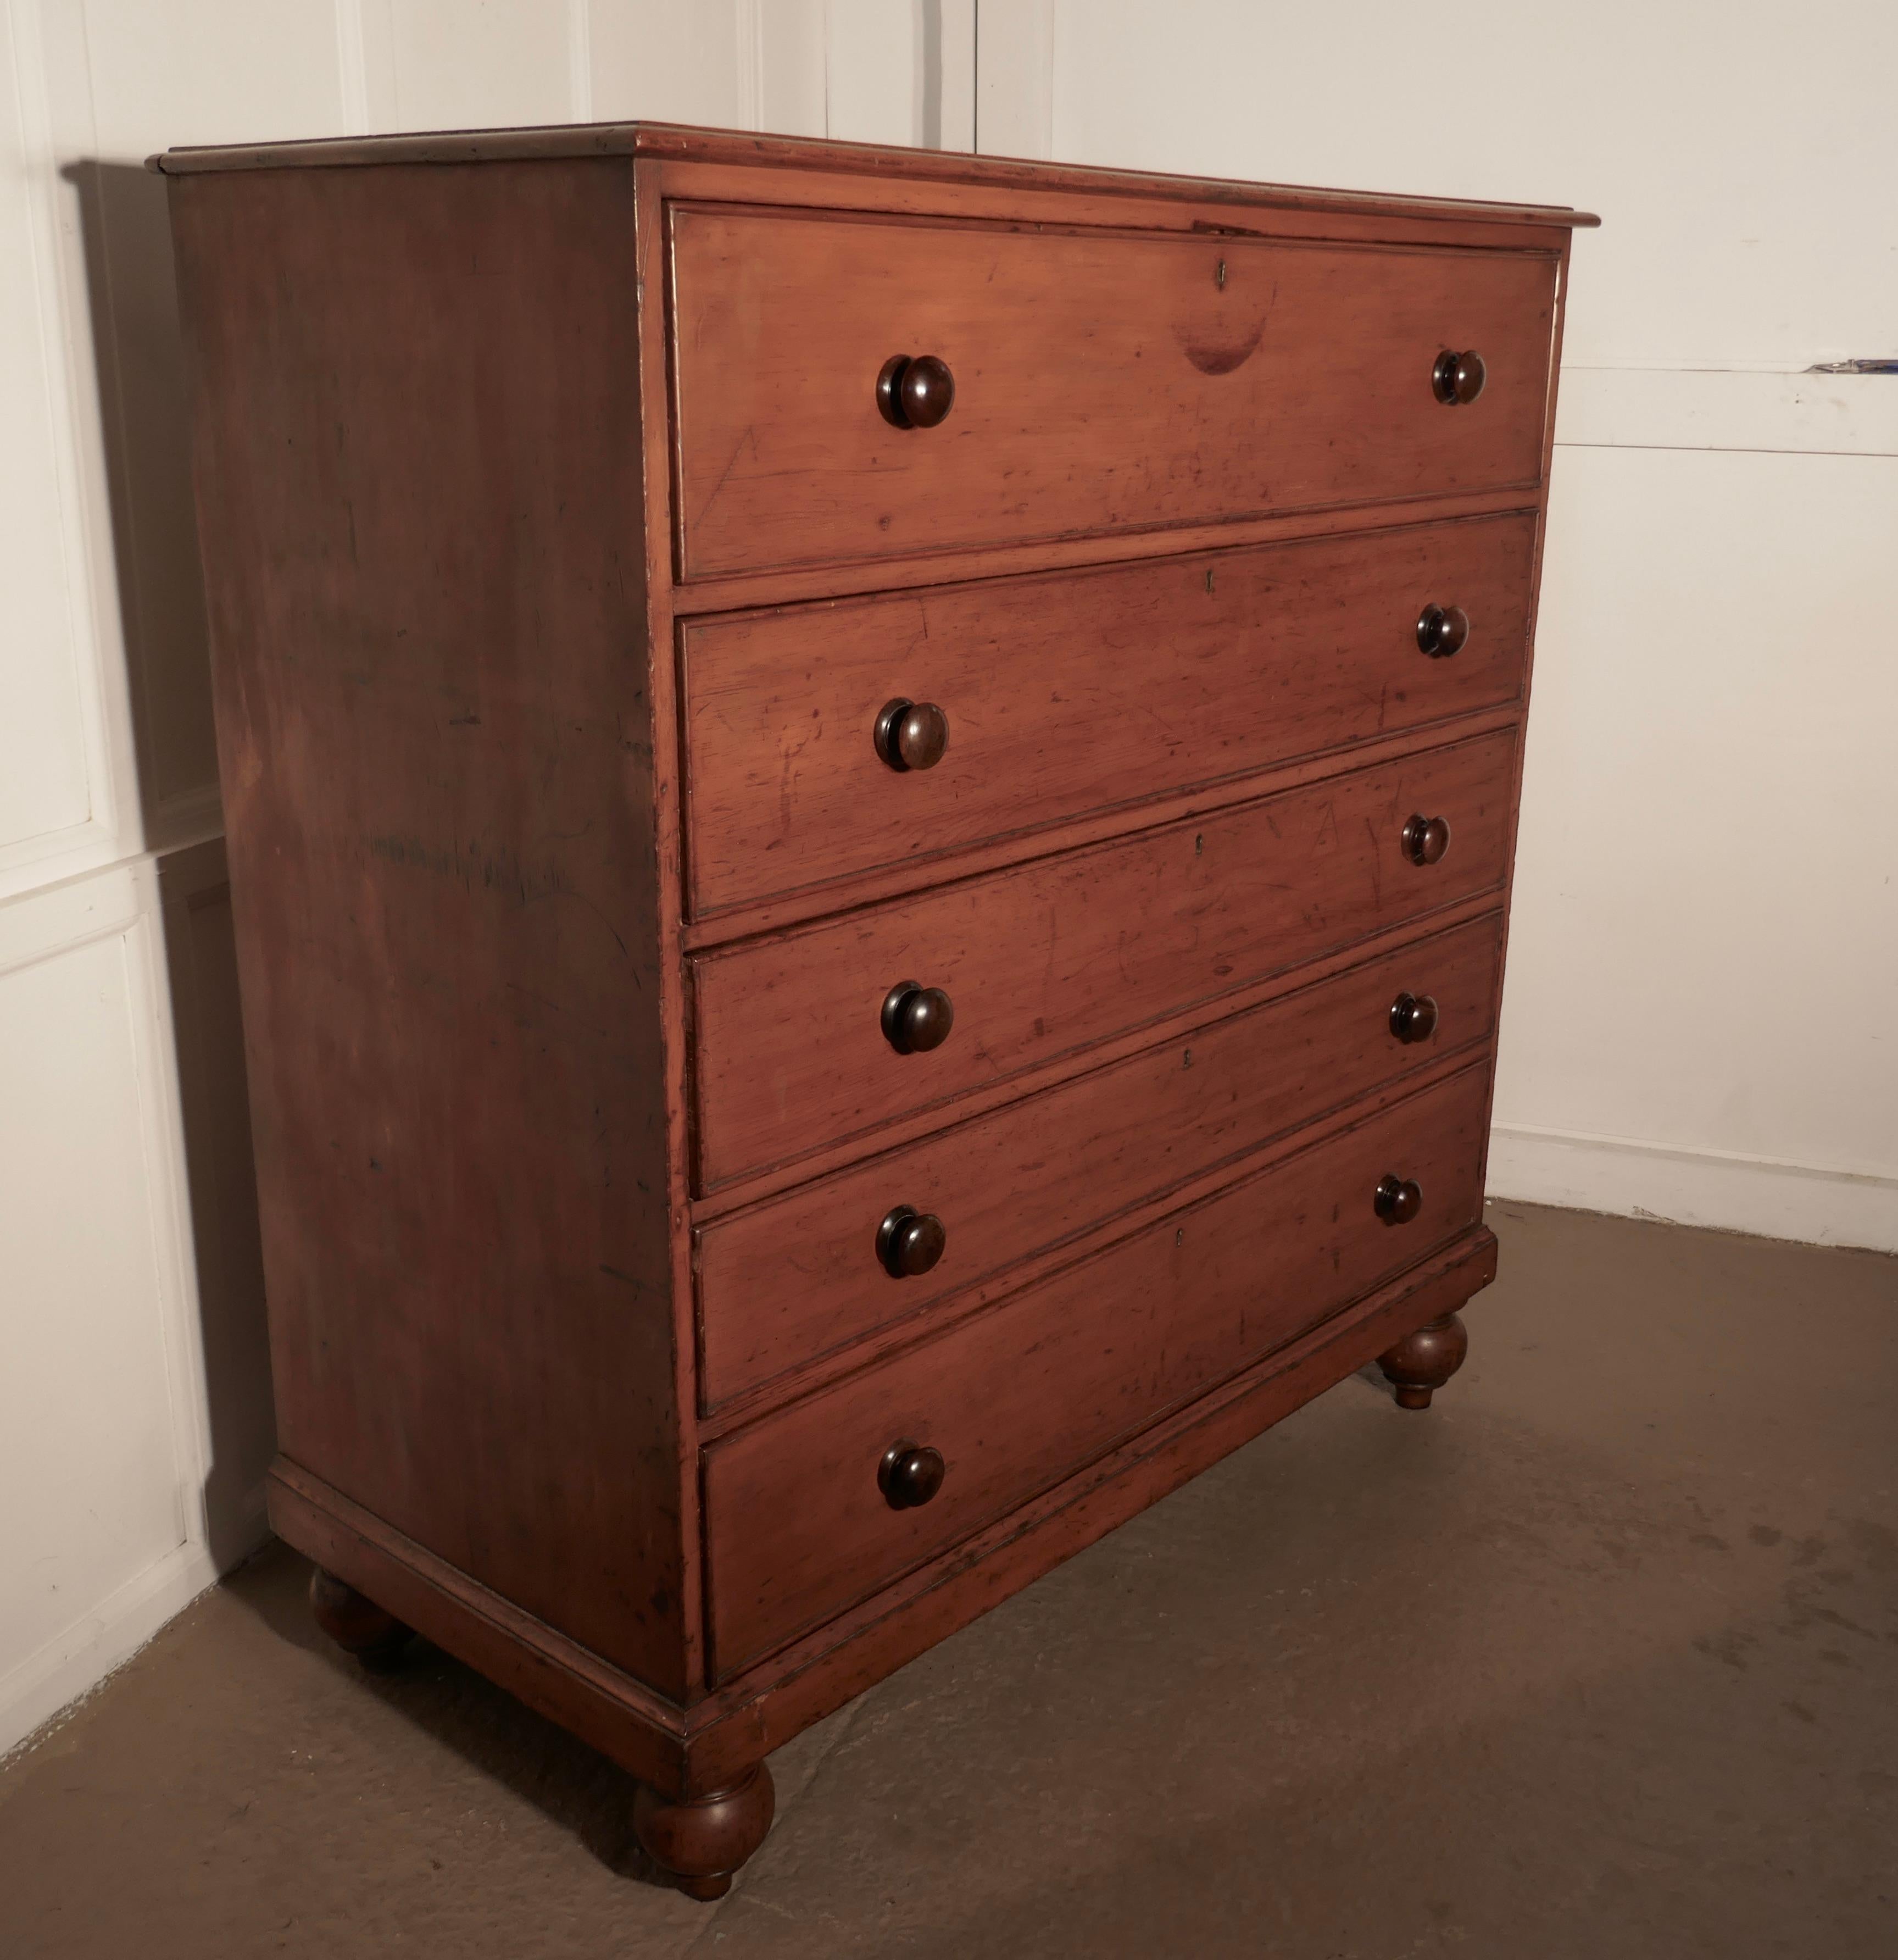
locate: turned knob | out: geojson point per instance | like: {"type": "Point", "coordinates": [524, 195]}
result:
{"type": "Point", "coordinates": [911, 1474]}
{"type": "Point", "coordinates": [917, 393]}
{"type": "Point", "coordinates": [1457, 379]}
{"type": "Point", "coordinates": [917, 1018]}
{"type": "Point", "coordinates": [1441, 630]}
{"type": "Point", "coordinates": [1413, 1017]}
{"type": "Point", "coordinates": [1398, 1199]}
{"type": "Point", "coordinates": [1425, 839]}
{"type": "Point", "coordinates": [909, 1242]}
{"type": "Point", "coordinates": [911, 734]}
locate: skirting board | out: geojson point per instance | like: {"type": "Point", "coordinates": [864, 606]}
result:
{"type": "Point", "coordinates": [75, 1662]}
{"type": "Point", "coordinates": [80, 1658]}
{"type": "Point", "coordinates": [1728, 1192]}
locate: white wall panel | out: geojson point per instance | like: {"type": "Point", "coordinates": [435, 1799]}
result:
{"type": "Point", "coordinates": [666, 61]}
{"type": "Point", "coordinates": [464, 64]}
{"type": "Point", "coordinates": [43, 747]}
{"type": "Point", "coordinates": [128, 78]}
{"type": "Point", "coordinates": [873, 71]}
{"type": "Point", "coordinates": [1015, 77]}
{"type": "Point", "coordinates": [88, 1444]}
{"type": "Point", "coordinates": [209, 72]}
{"type": "Point", "coordinates": [792, 57]}
{"type": "Point", "coordinates": [1705, 953]}
{"type": "Point", "coordinates": [1739, 154]}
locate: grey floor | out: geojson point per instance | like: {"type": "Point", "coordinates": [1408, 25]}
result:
{"type": "Point", "coordinates": [1599, 1657]}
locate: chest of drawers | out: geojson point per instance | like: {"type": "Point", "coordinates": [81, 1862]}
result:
{"type": "Point", "coordinates": [870, 803]}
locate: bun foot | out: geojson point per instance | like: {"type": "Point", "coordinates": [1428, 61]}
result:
{"type": "Point", "coordinates": [702, 1842]}
{"type": "Point", "coordinates": [356, 1625]}
{"type": "Point", "coordinates": [1421, 1363]}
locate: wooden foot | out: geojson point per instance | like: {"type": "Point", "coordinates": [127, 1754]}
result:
{"type": "Point", "coordinates": [1421, 1363]}
{"type": "Point", "coordinates": [703, 1842]}
{"type": "Point", "coordinates": [358, 1625]}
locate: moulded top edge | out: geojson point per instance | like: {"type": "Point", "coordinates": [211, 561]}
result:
{"type": "Point", "coordinates": [679, 144]}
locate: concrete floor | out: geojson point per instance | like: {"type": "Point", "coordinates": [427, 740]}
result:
{"type": "Point", "coordinates": [1599, 1658]}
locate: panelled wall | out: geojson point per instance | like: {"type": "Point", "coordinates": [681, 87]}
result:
{"type": "Point", "coordinates": [134, 1422]}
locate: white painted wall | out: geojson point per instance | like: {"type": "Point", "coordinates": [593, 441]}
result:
{"type": "Point", "coordinates": [1699, 1020]}
{"type": "Point", "coordinates": [1701, 991]}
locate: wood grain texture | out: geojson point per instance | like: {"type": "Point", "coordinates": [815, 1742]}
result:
{"type": "Point", "coordinates": [761, 156]}
{"type": "Point", "coordinates": [1111, 201]}
{"type": "Point", "coordinates": [1065, 951]}
{"type": "Point", "coordinates": [1103, 384]}
{"type": "Point", "coordinates": [787, 1281]}
{"type": "Point", "coordinates": [761, 918]}
{"type": "Point", "coordinates": [800, 1683]}
{"type": "Point", "coordinates": [668, 767]}
{"type": "Point", "coordinates": [740, 591]}
{"type": "Point", "coordinates": [619, 1715]}
{"type": "Point", "coordinates": [1047, 684]}
{"type": "Point", "coordinates": [710, 1745]}
{"type": "Point", "coordinates": [425, 595]}
{"type": "Point", "coordinates": [568, 890]}
{"type": "Point", "coordinates": [795, 1526]}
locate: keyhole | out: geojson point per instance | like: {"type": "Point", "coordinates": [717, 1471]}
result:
{"type": "Point", "coordinates": [1219, 276]}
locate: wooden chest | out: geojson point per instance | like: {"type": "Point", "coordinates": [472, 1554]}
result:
{"type": "Point", "coordinates": [871, 799]}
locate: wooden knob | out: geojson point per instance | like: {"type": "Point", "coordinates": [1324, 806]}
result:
{"type": "Point", "coordinates": [1413, 1017]}
{"type": "Point", "coordinates": [1426, 838]}
{"type": "Point", "coordinates": [917, 1018]}
{"type": "Point", "coordinates": [911, 734]}
{"type": "Point", "coordinates": [909, 1242]}
{"type": "Point", "coordinates": [1441, 630]}
{"type": "Point", "coordinates": [915, 393]}
{"type": "Point", "coordinates": [1398, 1199]}
{"type": "Point", "coordinates": [911, 1474]}
{"type": "Point", "coordinates": [1457, 379]}
{"type": "Point", "coordinates": [1421, 1363]}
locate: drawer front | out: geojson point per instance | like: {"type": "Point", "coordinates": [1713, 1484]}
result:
{"type": "Point", "coordinates": [1103, 383]}
{"type": "Point", "coordinates": [1070, 693]}
{"type": "Point", "coordinates": [793, 1278]}
{"type": "Point", "coordinates": [1044, 958]}
{"type": "Point", "coordinates": [1018, 1397]}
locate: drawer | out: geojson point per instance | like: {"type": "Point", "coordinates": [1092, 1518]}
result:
{"type": "Point", "coordinates": [1103, 382]}
{"type": "Point", "coordinates": [796, 1527]}
{"type": "Point", "coordinates": [790, 1050]}
{"type": "Point", "coordinates": [789, 1279]}
{"type": "Point", "coordinates": [1070, 693]}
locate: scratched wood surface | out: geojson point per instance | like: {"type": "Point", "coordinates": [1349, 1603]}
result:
{"type": "Point", "coordinates": [795, 1526]}
{"type": "Point", "coordinates": [785, 1282]}
{"type": "Point", "coordinates": [1102, 384]}
{"type": "Point", "coordinates": [423, 579]}
{"type": "Point", "coordinates": [1048, 685]}
{"type": "Point", "coordinates": [1046, 957]}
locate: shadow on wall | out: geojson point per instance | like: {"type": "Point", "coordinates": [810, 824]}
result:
{"type": "Point", "coordinates": [144, 418]}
